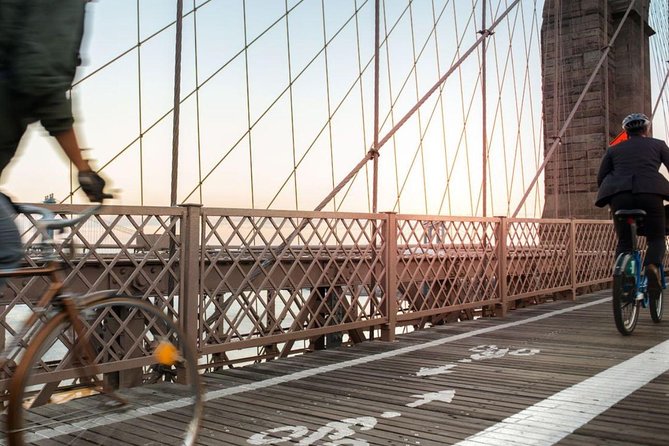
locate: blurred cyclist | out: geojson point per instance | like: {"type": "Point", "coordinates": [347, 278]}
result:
{"type": "Point", "coordinates": [39, 54]}
{"type": "Point", "coordinates": [629, 178]}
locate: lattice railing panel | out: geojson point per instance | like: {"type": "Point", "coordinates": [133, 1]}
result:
{"type": "Point", "coordinates": [271, 274]}
{"type": "Point", "coordinates": [538, 256]}
{"type": "Point", "coordinates": [267, 279]}
{"type": "Point", "coordinates": [594, 250]}
{"type": "Point", "coordinates": [444, 263]}
{"type": "Point", "coordinates": [132, 250]}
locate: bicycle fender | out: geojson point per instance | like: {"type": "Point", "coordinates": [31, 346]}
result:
{"type": "Point", "coordinates": [98, 295]}
{"type": "Point", "coordinates": [621, 263]}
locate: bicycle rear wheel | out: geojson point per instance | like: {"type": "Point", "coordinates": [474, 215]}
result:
{"type": "Point", "coordinates": [131, 378]}
{"type": "Point", "coordinates": [656, 303]}
{"type": "Point", "coordinates": [625, 305]}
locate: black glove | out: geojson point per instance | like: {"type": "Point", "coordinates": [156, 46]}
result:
{"type": "Point", "coordinates": [93, 185]}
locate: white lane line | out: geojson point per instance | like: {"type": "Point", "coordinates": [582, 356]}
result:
{"type": "Point", "coordinates": [552, 419]}
{"type": "Point", "coordinates": [389, 354]}
{"type": "Point", "coordinates": [214, 394]}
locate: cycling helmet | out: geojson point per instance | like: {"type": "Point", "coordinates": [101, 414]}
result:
{"type": "Point", "coordinates": [636, 121]}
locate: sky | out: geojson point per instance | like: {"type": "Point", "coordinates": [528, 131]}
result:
{"type": "Point", "coordinates": [258, 84]}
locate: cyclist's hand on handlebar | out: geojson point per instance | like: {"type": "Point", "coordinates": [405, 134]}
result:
{"type": "Point", "coordinates": [93, 185]}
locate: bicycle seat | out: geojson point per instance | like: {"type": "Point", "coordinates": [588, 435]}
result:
{"type": "Point", "coordinates": [636, 214]}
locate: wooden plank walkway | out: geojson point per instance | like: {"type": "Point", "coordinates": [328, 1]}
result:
{"type": "Point", "coordinates": [556, 373]}
{"type": "Point", "coordinates": [447, 384]}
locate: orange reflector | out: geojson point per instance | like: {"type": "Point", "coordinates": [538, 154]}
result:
{"type": "Point", "coordinates": [166, 353]}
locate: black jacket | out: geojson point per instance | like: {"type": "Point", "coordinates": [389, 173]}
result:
{"type": "Point", "coordinates": [633, 166]}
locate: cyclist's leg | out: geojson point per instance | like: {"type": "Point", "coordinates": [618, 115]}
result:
{"type": "Point", "coordinates": [655, 236]}
{"type": "Point", "coordinates": [624, 200]}
{"type": "Point", "coordinates": [654, 224]}
{"type": "Point", "coordinates": [12, 127]}
{"type": "Point", "coordinates": [11, 249]}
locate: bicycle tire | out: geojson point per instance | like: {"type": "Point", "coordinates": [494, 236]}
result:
{"type": "Point", "coordinates": [164, 403]}
{"type": "Point", "coordinates": [656, 304]}
{"type": "Point", "coordinates": [625, 305]}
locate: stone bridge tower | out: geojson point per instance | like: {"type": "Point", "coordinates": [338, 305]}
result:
{"type": "Point", "coordinates": [573, 36]}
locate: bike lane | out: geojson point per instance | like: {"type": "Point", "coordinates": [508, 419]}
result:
{"type": "Point", "coordinates": [444, 388]}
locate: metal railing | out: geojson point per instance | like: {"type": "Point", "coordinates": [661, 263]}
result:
{"type": "Point", "coordinates": [252, 285]}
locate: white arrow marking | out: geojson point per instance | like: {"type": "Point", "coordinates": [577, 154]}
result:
{"type": "Point", "coordinates": [427, 371]}
{"type": "Point", "coordinates": [445, 396]}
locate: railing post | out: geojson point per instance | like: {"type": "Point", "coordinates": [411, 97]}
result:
{"type": "Point", "coordinates": [390, 280]}
{"type": "Point", "coordinates": [190, 272]}
{"type": "Point", "coordinates": [572, 256]}
{"type": "Point", "coordinates": [502, 273]}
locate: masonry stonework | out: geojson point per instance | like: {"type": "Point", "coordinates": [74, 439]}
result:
{"type": "Point", "coordinates": [574, 35]}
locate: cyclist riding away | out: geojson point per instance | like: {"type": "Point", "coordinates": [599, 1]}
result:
{"type": "Point", "coordinates": [629, 178]}
{"type": "Point", "coordinates": [39, 54]}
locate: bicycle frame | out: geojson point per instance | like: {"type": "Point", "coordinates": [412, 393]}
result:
{"type": "Point", "coordinates": [53, 269]}
{"type": "Point", "coordinates": [641, 281]}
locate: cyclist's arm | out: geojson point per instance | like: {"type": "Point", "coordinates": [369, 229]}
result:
{"type": "Point", "coordinates": [68, 142]}
{"type": "Point", "coordinates": [664, 154]}
{"type": "Point", "coordinates": [605, 167]}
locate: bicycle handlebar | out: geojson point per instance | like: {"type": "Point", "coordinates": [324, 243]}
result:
{"type": "Point", "coordinates": [49, 221]}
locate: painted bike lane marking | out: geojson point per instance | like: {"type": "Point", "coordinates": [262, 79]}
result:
{"type": "Point", "coordinates": [389, 354]}
{"type": "Point", "coordinates": [554, 418]}
{"type": "Point", "coordinates": [342, 432]}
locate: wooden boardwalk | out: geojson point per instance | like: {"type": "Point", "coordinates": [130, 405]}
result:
{"type": "Point", "coordinates": [556, 373]}
{"type": "Point", "coordinates": [447, 384]}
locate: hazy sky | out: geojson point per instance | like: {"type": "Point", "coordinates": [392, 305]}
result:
{"type": "Point", "coordinates": [249, 65]}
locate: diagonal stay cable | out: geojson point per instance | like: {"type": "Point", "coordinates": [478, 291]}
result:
{"type": "Point", "coordinates": [138, 45]}
{"type": "Point", "coordinates": [446, 75]}
{"type": "Point", "coordinates": [280, 95]}
{"type": "Point", "coordinates": [339, 105]}
{"type": "Point", "coordinates": [371, 153]}
{"type": "Point", "coordinates": [193, 92]}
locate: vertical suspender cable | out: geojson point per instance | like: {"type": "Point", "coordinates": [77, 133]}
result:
{"type": "Point", "coordinates": [375, 178]}
{"type": "Point", "coordinates": [248, 105]}
{"type": "Point", "coordinates": [557, 23]}
{"type": "Point", "coordinates": [607, 109]}
{"type": "Point", "coordinates": [197, 102]}
{"type": "Point", "coordinates": [292, 107]}
{"type": "Point", "coordinates": [177, 104]}
{"type": "Point", "coordinates": [363, 119]}
{"type": "Point", "coordinates": [328, 97]}
{"type": "Point", "coordinates": [484, 112]}
{"type": "Point", "coordinates": [642, 47]}
{"type": "Point", "coordinates": [139, 98]}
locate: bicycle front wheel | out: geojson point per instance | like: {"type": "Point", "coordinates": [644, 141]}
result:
{"type": "Point", "coordinates": [120, 373]}
{"type": "Point", "coordinates": [625, 305]}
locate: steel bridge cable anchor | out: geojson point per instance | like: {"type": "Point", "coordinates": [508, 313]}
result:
{"type": "Point", "coordinates": [485, 32]}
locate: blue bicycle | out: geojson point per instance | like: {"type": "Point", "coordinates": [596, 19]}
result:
{"type": "Point", "coordinates": [630, 285]}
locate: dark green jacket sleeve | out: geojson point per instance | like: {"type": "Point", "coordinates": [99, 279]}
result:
{"type": "Point", "coordinates": [45, 53]}
{"type": "Point", "coordinates": [9, 19]}
{"type": "Point", "coordinates": [39, 55]}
